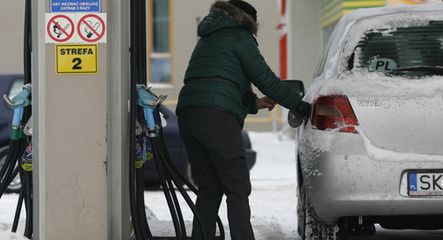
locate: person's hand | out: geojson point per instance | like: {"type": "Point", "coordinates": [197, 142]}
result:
{"type": "Point", "coordinates": [265, 102]}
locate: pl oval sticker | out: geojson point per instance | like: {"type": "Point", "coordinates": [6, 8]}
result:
{"type": "Point", "coordinates": [384, 65]}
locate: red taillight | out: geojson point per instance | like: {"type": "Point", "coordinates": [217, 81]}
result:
{"type": "Point", "coordinates": [334, 112]}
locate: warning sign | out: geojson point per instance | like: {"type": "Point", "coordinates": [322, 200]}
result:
{"type": "Point", "coordinates": [91, 28]}
{"type": "Point", "coordinates": [59, 28]}
{"type": "Point", "coordinates": [81, 59]}
{"type": "Point", "coordinates": [83, 28]}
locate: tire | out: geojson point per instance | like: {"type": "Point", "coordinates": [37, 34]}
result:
{"type": "Point", "coordinates": [310, 227]}
{"type": "Point", "coordinates": [15, 185]}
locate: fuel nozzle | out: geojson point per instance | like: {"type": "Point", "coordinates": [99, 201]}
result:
{"type": "Point", "coordinates": [18, 104]}
{"type": "Point", "coordinates": [21, 100]}
{"type": "Point", "coordinates": [149, 101]}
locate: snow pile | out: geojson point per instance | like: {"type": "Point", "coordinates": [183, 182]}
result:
{"type": "Point", "coordinates": [8, 204]}
{"type": "Point", "coordinates": [5, 233]}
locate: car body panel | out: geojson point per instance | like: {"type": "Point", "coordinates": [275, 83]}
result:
{"type": "Point", "coordinates": [402, 124]}
{"type": "Point", "coordinates": [348, 182]}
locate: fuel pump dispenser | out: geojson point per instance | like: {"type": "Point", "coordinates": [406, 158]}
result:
{"type": "Point", "coordinates": [19, 157]}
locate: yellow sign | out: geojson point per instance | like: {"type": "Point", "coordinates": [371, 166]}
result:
{"type": "Point", "coordinates": [81, 59]}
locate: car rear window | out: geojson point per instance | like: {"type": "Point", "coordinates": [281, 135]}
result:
{"type": "Point", "coordinates": [413, 51]}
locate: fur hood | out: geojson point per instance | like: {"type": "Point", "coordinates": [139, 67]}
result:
{"type": "Point", "coordinates": [223, 14]}
{"type": "Point", "coordinates": [240, 17]}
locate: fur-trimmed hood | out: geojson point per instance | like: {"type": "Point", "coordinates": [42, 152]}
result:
{"type": "Point", "coordinates": [223, 15]}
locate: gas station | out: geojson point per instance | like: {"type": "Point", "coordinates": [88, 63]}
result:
{"type": "Point", "coordinates": [85, 71]}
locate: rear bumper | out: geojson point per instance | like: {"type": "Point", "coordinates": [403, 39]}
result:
{"type": "Point", "coordinates": [345, 181]}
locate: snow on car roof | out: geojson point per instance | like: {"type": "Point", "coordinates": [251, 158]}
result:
{"type": "Point", "coordinates": [388, 19]}
{"type": "Point", "coordinates": [349, 32]}
{"type": "Point", "coordinates": [373, 12]}
{"type": "Point", "coordinates": [352, 28]}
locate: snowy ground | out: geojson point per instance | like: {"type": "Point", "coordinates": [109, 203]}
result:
{"type": "Point", "coordinates": [273, 200]}
{"type": "Point", "coordinates": [8, 204]}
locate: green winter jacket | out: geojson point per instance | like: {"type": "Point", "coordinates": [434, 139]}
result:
{"type": "Point", "coordinates": [225, 62]}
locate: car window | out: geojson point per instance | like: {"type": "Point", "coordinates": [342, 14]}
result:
{"type": "Point", "coordinates": [411, 51]}
{"type": "Point", "coordinates": [15, 88]}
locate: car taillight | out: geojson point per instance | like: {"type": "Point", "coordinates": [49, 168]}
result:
{"type": "Point", "coordinates": [334, 112]}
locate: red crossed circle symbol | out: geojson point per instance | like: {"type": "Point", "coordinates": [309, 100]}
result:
{"type": "Point", "coordinates": [63, 31]}
{"type": "Point", "coordinates": [98, 35]}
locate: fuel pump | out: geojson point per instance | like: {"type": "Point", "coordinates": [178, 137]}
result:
{"type": "Point", "coordinates": [146, 135]}
{"type": "Point", "coordinates": [19, 157]}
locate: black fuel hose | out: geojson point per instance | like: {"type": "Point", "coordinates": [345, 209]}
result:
{"type": "Point", "coordinates": [9, 166]}
{"type": "Point", "coordinates": [141, 204]}
{"type": "Point", "coordinates": [11, 177]}
{"type": "Point", "coordinates": [9, 158]}
{"type": "Point", "coordinates": [177, 205]}
{"type": "Point", "coordinates": [28, 206]}
{"type": "Point", "coordinates": [19, 205]}
{"type": "Point", "coordinates": [26, 181]}
{"type": "Point", "coordinates": [161, 158]}
{"type": "Point", "coordinates": [166, 189]}
{"type": "Point", "coordinates": [134, 78]}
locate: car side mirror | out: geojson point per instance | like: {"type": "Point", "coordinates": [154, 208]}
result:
{"type": "Point", "coordinates": [294, 119]}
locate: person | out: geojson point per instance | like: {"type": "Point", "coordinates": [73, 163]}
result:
{"type": "Point", "coordinates": [213, 103]}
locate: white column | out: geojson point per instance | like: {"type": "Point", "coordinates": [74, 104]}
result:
{"type": "Point", "coordinates": [80, 137]}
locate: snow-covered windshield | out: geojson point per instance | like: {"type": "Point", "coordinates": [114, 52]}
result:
{"type": "Point", "coordinates": [413, 51]}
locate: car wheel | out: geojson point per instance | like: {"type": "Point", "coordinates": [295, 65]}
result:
{"type": "Point", "coordinates": [310, 227]}
{"type": "Point", "coordinates": [15, 185]}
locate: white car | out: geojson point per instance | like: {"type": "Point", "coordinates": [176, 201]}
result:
{"type": "Point", "coordinates": [372, 149]}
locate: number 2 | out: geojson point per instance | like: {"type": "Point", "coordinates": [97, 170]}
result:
{"type": "Point", "coordinates": [77, 62]}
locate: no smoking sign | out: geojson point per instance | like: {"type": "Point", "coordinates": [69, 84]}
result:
{"type": "Point", "coordinates": [86, 28]}
{"type": "Point", "coordinates": [91, 28]}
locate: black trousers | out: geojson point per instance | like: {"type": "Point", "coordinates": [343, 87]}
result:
{"type": "Point", "coordinates": [217, 155]}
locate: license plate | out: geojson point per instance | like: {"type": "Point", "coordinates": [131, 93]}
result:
{"type": "Point", "coordinates": [425, 184]}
